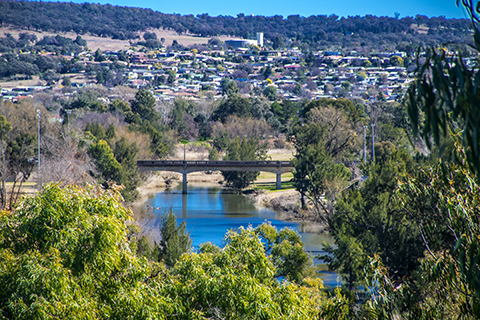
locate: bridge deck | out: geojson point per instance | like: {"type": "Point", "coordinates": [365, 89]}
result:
{"type": "Point", "coordinates": [207, 164]}
{"type": "Point", "coordinates": [185, 167]}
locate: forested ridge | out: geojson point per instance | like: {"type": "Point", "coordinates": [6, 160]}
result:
{"type": "Point", "coordinates": [123, 23]}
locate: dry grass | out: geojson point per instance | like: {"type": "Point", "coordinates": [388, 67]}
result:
{"type": "Point", "coordinates": [93, 42]}
{"type": "Point", "coordinates": [272, 176]}
{"type": "Point", "coordinates": [35, 81]}
{"type": "Point", "coordinates": [183, 39]}
{"type": "Point", "coordinates": [107, 44]}
{"type": "Point", "coordinates": [21, 83]}
{"type": "Point", "coordinates": [423, 29]}
{"type": "Point", "coordinates": [28, 188]}
{"type": "Point", "coordinates": [281, 154]}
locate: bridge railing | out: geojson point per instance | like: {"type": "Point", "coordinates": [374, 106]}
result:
{"type": "Point", "coordinates": [147, 163]}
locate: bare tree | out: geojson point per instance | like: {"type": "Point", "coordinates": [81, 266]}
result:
{"type": "Point", "coordinates": [247, 128]}
{"type": "Point", "coordinates": [207, 104]}
{"type": "Point", "coordinates": [165, 109]}
{"type": "Point", "coordinates": [65, 163]}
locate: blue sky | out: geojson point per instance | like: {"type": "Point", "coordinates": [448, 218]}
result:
{"type": "Point", "coordinates": [430, 8]}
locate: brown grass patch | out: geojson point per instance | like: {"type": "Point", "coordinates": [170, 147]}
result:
{"type": "Point", "coordinates": [109, 44]}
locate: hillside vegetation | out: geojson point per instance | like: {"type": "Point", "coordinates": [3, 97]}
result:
{"type": "Point", "coordinates": [320, 30]}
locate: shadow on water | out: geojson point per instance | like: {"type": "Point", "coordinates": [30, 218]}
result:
{"type": "Point", "coordinates": [210, 212]}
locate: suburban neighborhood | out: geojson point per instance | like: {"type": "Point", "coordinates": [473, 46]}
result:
{"type": "Point", "coordinates": [290, 73]}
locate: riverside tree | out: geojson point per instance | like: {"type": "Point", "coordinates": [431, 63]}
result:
{"type": "Point", "coordinates": [244, 149]}
{"type": "Point", "coordinates": [316, 176]}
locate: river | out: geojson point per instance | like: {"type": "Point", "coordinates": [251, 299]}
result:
{"type": "Point", "coordinates": [210, 212]}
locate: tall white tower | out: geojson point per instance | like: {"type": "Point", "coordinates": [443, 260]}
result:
{"type": "Point", "coordinates": [260, 39]}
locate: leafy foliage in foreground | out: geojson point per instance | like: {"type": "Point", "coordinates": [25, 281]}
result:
{"type": "Point", "coordinates": [65, 254]}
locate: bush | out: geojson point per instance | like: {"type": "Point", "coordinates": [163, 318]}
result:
{"type": "Point", "coordinates": [279, 143]}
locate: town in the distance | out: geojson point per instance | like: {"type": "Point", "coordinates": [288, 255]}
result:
{"type": "Point", "coordinates": [192, 72]}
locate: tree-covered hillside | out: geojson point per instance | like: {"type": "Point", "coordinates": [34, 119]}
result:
{"type": "Point", "coordinates": [123, 22]}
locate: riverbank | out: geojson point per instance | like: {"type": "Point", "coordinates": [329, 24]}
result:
{"type": "Point", "coordinates": [284, 202]}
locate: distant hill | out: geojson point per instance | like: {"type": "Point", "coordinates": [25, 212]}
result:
{"type": "Point", "coordinates": [319, 31]}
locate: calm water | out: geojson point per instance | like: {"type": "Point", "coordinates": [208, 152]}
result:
{"type": "Point", "coordinates": [211, 212]}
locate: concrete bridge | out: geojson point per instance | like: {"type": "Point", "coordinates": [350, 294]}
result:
{"type": "Point", "coordinates": [185, 167]}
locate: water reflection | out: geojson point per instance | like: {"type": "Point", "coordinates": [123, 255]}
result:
{"type": "Point", "coordinates": [210, 212]}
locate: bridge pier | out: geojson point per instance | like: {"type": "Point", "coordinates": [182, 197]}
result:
{"type": "Point", "coordinates": [184, 183]}
{"type": "Point", "coordinates": [279, 181]}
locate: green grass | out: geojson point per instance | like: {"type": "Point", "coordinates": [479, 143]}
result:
{"type": "Point", "coordinates": [269, 186]}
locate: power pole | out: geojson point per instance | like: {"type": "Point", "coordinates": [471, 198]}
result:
{"type": "Point", "coordinates": [373, 142]}
{"type": "Point", "coordinates": [364, 145]}
{"type": "Point", "coordinates": [39, 160]}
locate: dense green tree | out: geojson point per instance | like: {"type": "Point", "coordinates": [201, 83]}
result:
{"type": "Point", "coordinates": [149, 36]}
{"type": "Point", "coordinates": [213, 154]}
{"type": "Point", "coordinates": [99, 57]}
{"type": "Point", "coordinates": [175, 240]}
{"type": "Point", "coordinates": [126, 154]}
{"type": "Point", "coordinates": [244, 149]}
{"type": "Point", "coordinates": [66, 82]}
{"type": "Point", "coordinates": [381, 97]}
{"type": "Point", "coordinates": [172, 75]}
{"type": "Point", "coordinates": [396, 61]}
{"type": "Point", "coordinates": [370, 220]}
{"type": "Point", "coordinates": [443, 105]}
{"type": "Point", "coordinates": [51, 76]}
{"type": "Point", "coordinates": [80, 41]}
{"type": "Point", "coordinates": [228, 86]}
{"type": "Point", "coordinates": [277, 110]}
{"type": "Point", "coordinates": [97, 130]}
{"type": "Point", "coordinates": [316, 176]}
{"type": "Point", "coordinates": [270, 92]}
{"type": "Point", "coordinates": [286, 250]}
{"type": "Point", "coordinates": [65, 254]}
{"type": "Point", "coordinates": [289, 113]}
{"type": "Point", "coordinates": [104, 159]}
{"type": "Point", "coordinates": [238, 282]}
{"type": "Point", "coordinates": [5, 126]}
{"type": "Point", "coordinates": [233, 105]}
{"type": "Point", "coordinates": [259, 107]}
{"type": "Point", "coordinates": [144, 105]}
{"type": "Point", "coordinates": [221, 141]}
